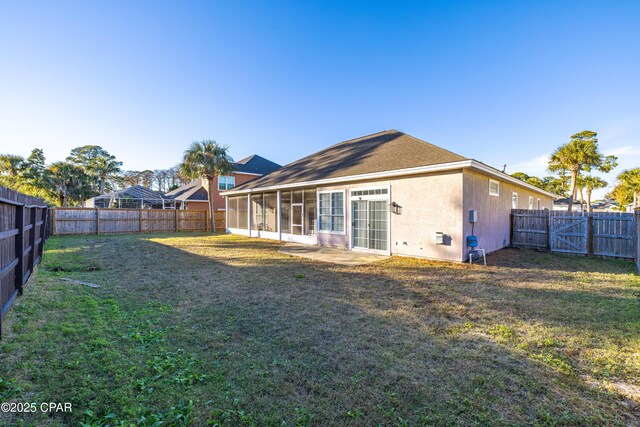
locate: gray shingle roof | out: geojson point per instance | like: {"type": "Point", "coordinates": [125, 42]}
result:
{"type": "Point", "coordinates": [255, 164]}
{"type": "Point", "coordinates": [190, 191]}
{"type": "Point", "coordinates": [135, 192]}
{"type": "Point", "coordinates": [380, 152]}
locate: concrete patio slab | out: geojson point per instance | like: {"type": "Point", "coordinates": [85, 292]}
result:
{"type": "Point", "coordinates": [336, 256]}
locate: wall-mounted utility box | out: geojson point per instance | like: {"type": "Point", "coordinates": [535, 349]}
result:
{"type": "Point", "coordinates": [439, 238]}
{"type": "Point", "coordinates": [473, 215]}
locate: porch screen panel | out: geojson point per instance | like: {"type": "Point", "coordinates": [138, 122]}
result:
{"type": "Point", "coordinates": [310, 212]}
{"type": "Point", "coordinates": [296, 219]}
{"type": "Point", "coordinates": [232, 211]}
{"type": "Point", "coordinates": [257, 212]}
{"type": "Point", "coordinates": [285, 209]}
{"type": "Point", "coordinates": [243, 213]}
{"type": "Point", "coordinates": [270, 211]}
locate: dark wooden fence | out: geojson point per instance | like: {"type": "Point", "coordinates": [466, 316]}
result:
{"type": "Point", "coordinates": [23, 221]}
{"type": "Point", "coordinates": [610, 234]}
{"type": "Point", "coordinates": [117, 221]}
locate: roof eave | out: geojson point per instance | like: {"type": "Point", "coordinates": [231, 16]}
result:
{"type": "Point", "coordinates": [469, 163]}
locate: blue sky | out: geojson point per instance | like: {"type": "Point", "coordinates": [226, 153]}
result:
{"type": "Point", "coordinates": [503, 82]}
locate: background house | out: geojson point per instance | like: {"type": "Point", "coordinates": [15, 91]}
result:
{"type": "Point", "coordinates": [136, 197]}
{"type": "Point", "coordinates": [387, 193]}
{"type": "Point", "coordinates": [195, 194]}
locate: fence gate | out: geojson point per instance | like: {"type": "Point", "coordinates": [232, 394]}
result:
{"type": "Point", "coordinates": [568, 232]}
{"type": "Point", "coordinates": [613, 234]}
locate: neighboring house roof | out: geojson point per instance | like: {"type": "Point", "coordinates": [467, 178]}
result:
{"type": "Point", "coordinates": [255, 165]}
{"type": "Point", "coordinates": [135, 192]}
{"type": "Point", "coordinates": [383, 154]}
{"type": "Point", "coordinates": [564, 201]}
{"type": "Point", "coordinates": [605, 204]}
{"type": "Point", "coordinates": [190, 191]}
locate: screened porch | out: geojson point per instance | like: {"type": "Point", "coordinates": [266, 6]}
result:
{"type": "Point", "coordinates": [282, 215]}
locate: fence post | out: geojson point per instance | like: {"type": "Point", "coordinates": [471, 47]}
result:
{"type": "Point", "coordinates": [32, 239]}
{"type": "Point", "coordinates": [19, 248]}
{"type": "Point", "coordinates": [590, 235]}
{"type": "Point", "coordinates": [140, 221]}
{"type": "Point", "coordinates": [43, 230]}
{"type": "Point", "coordinates": [511, 221]}
{"type": "Point", "coordinates": [548, 218]}
{"type": "Point", "coordinates": [97, 221]}
{"type": "Point", "coordinates": [53, 222]}
{"type": "Point", "coordinates": [175, 220]}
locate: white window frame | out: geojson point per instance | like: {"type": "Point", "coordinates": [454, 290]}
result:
{"type": "Point", "coordinates": [344, 213]}
{"type": "Point", "coordinates": [496, 193]}
{"type": "Point", "coordinates": [515, 199]}
{"type": "Point", "coordinates": [225, 179]}
{"type": "Point", "coordinates": [530, 202]}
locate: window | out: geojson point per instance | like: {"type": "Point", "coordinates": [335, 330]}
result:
{"type": "Point", "coordinates": [539, 205]}
{"type": "Point", "coordinates": [226, 182]}
{"type": "Point", "coordinates": [332, 212]}
{"type": "Point", "coordinates": [514, 200]}
{"type": "Point", "coordinates": [530, 202]}
{"type": "Point", "coordinates": [494, 187]}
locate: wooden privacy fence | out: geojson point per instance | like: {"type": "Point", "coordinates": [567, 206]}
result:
{"type": "Point", "coordinates": [611, 234]}
{"type": "Point", "coordinates": [114, 221]}
{"type": "Point", "coordinates": [23, 221]}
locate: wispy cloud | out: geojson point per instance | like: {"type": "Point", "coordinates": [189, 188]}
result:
{"type": "Point", "coordinates": [623, 151]}
{"type": "Point", "coordinates": [536, 166]}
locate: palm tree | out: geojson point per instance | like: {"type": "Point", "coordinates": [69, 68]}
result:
{"type": "Point", "coordinates": [97, 162]}
{"type": "Point", "coordinates": [105, 168]}
{"type": "Point", "coordinates": [68, 181]}
{"type": "Point", "coordinates": [11, 164]}
{"type": "Point", "coordinates": [630, 182]}
{"type": "Point", "coordinates": [580, 154]}
{"type": "Point", "coordinates": [580, 191]}
{"type": "Point", "coordinates": [590, 183]}
{"type": "Point", "coordinates": [207, 159]}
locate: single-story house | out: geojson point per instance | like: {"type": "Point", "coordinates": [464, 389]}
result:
{"type": "Point", "coordinates": [137, 197]}
{"type": "Point", "coordinates": [562, 204]}
{"type": "Point", "coordinates": [195, 195]}
{"type": "Point", "coordinates": [386, 193]}
{"type": "Point", "coordinates": [606, 205]}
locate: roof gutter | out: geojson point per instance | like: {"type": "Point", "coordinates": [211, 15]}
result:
{"type": "Point", "coordinates": [472, 164]}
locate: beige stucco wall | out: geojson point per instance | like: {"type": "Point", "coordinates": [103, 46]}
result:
{"type": "Point", "coordinates": [440, 202]}
{"type": "Point", "coordinates": [493, 226]}
{"type": "Point", "coordinates": [429, 203]}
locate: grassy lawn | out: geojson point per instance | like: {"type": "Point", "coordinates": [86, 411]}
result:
{"type": "Point", "coordinates": [210, 330]}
